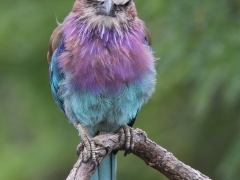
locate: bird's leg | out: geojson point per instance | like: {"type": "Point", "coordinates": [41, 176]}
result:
{"type": "Point", "coordinates": [85, 140]}
{"type": "Point", "coordinates": [88, 142]}
{"type": "Point", "coordinates": [129, 145]}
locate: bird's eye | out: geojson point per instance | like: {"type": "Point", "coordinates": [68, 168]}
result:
{"type": "Point", "coordinates": [97, 1]}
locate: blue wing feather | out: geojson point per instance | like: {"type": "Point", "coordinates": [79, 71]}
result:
{"type": "Point", "coordinates": [56, 76]}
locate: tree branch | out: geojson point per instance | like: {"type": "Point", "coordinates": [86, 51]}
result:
{"type": "Point", "coordinates": [154, 155]}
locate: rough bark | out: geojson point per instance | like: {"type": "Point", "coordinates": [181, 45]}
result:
{"type": "Point", "coordinates": [154, 155]}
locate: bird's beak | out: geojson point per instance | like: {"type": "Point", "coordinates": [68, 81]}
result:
{"type": "Point", "coordinates": [107, 8]}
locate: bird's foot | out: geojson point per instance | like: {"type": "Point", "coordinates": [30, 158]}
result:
{"type": "Point", "coordinates": [129, 144]}
{"type": "Point", "coordinates": [90, 143]}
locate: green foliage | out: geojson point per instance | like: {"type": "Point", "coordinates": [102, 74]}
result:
{"type": "Point", "coordinates": [194, 112]}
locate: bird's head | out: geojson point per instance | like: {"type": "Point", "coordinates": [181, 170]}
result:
{"type": "Point", "coordinates": [107, 13]}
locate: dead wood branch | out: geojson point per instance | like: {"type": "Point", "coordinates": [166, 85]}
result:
{"type": "Point", "coordinates": [154, 155]}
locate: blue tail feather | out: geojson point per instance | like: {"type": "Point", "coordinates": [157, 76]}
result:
{"type": "Point", "coordinates": [107, 169]}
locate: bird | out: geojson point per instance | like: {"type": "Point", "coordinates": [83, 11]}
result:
{"type": "Point", "coordinates": [102, 71]}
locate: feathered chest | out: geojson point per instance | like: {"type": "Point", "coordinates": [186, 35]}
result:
{"type": "Point", "coordinates": [104, 59]}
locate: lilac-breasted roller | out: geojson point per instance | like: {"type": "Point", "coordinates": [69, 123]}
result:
{"type": "Point", "coordinates": [101, 71]}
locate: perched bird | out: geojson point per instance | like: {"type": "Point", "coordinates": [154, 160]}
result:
{"type": "Point", "coordinates": [102, 71]}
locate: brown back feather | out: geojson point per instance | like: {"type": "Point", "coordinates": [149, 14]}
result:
{"type": "Point", "coordinates": [54, 42]}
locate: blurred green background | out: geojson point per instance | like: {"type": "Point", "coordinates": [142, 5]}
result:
{"type": "Point", "coordinates": [194, 112]}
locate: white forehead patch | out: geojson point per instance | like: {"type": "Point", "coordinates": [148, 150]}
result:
{"type": "Point", "coordinates": [120, 2]}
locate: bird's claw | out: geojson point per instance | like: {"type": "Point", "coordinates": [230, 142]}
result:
{"type": "Point", "coordinates": [94, 165]}
{"type": "Point", "coordinates": [79, 149]}
{"type": "Point", "coordinates": [129, 145]}
{"type": "Point", "coordinates": [127, 151]}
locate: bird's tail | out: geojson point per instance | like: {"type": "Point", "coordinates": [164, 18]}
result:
{"type": "Point", "coordinates": [107, 169]}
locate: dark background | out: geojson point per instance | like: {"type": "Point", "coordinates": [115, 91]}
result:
{"type": "Point", "coordinates": [194, 112]}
